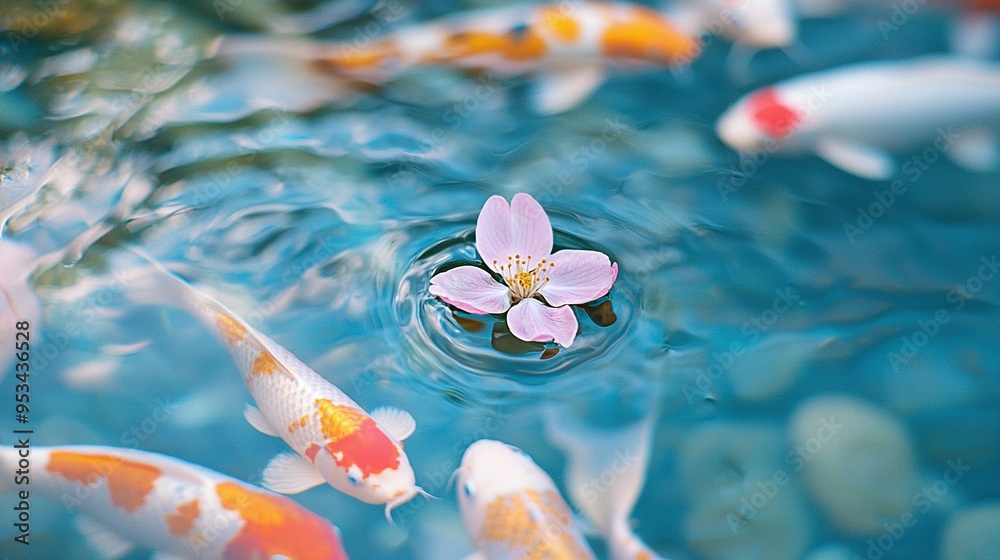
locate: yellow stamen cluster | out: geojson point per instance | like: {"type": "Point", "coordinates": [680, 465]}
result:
{"type": "Point", "coordinates": [523, 277]}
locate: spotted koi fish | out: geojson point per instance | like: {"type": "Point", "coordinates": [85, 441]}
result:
{"type": "Point", "coordinates": [569, 46]}
{"type": "Point", "coordinates": [135, 498]}
{"type": "Point", "coordinates": [334, 439]}
{"type": "Point", "coordinates": [512, 510]}
{"type": "Point", "coordinates": [855, 116]}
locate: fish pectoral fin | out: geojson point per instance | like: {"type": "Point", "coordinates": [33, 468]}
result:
{"type": "Point", "coordinates": [977, 150]}
{"type": "Point", "coordinates": [106, 542]}
{"type": "Point", "coordinates": [565, 88]}
{"type": "Point", "coordinates": [288, 473]}
{"type": "Point", "coordinates": [868, 162]}
{"type": "Point", "coordinates": [397, 422]}
{"type": "Point", "coordinates": [256, 419]}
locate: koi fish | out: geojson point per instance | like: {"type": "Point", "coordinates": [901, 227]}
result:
{"type": "Point", "coordinates": [854, 116]}
{"type": "Point", "coordinates": [18, 304]}
{"type": "Point", "coordinates": [512, 510]}
{"type": "Point", "coordinates": [334, 439]}
{"type": "Point", "coordinates": [570, 47]}
{"type": "Point", "coordinates": [591, 454]}
{"type": "Point", "coordinates": [132, 498]}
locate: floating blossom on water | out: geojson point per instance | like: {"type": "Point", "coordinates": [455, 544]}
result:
{"type": "Point", "coordinates": [515, 241]}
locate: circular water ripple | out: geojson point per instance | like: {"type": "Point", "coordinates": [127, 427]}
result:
{"type": "Point", "coordinates": [446, 342]}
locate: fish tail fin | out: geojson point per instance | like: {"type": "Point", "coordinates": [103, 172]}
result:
{"type": "Point", "coordinates": [153, 284]}
{"type": "Point", "coordinates": [618, 458]}
{"type": "Point", "coordinates": [624, 544]}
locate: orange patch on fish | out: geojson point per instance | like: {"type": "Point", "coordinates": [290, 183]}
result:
{"type": "Point", "coordinates": [181, 522]}
{"type": "Point", "coordinates": [354, 439]}
{"type": "Point", "coordinates": [565, 28]}
{"type": "Point", "coordinates": [647, 36]}
{"type": "Point", "coordinates": [232, 330]}
{"type": "Point", "coordinates": [275, 525]}
{"type": "Point", "coordinates": [264, 364]}
{"type": "Point", "coordinates": [357, 59]}
{"type": "Point", "coordinates": [300, 423]}
{"type": "Point", "coordinates": [128, 482]}
{"type": "Point", "coordinates": [515, 45]}
{"type": "Point", "coordinates": [534, 522]}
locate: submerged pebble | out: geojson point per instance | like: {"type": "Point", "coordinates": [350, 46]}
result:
{"type": "Point", "coordinates": [859, 462]}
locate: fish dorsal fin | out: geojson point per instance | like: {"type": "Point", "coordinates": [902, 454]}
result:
{"type": "Point", "coordinates": [108, 543]}
{"type": "Point", "coordinates": [477, 555]}
{"type": "Point", "coordinates": [288, 473]}
{"type": "Point", "coordinates": [256, 419]}
{"type": "Point", "coordinates": [397, 422]}
{"type": "Point", "coordinates": [565, 88]}
{"type": "Point", "coordinates": [868, 162]}
{"type": "Point", "coordinates": [976, 149]}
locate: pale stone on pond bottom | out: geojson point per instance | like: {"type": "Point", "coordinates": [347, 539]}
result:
{"type": "Point", "coordinates": [973, 534]}
{"type": "Point", "coordinates": [858, 461]}
{"type": "Point", "coordinates": [745, 497]}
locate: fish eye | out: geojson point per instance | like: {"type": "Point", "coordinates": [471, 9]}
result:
{"type": "Point", "coordinates": [469, 489]}
{"type": "Point", "coordinates": [353, 479]}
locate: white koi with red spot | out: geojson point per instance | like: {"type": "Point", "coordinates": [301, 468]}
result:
{"type": "Point", "coordinates": [569, 46]}
{"type": "Point", "coordinates": [511, 508]}
{"type": "Point", "coordinates": [135, 498]}
{"type": "Point", "coordinates": [854, 116]}
{"type": "Point", "coordinates": [334, 439]}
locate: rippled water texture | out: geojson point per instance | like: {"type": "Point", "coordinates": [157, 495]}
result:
{"type": "Point", "coordinates": [811, 385]}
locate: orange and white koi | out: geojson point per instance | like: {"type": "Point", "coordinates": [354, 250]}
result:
{"type": "Point", "coordinates": [570, 47]}
{"type": "Point", "coordinates": [512, 510]}
{"type": "Point", "coordinates": [132, 498]}
{"type": "Point", "coordinates": [334, 439]}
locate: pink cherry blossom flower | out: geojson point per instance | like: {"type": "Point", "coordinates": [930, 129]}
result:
{"type": "Point", "coordinates": [515, 241]}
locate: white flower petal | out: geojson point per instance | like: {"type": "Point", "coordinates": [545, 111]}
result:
{"type": "Point", "coordinates": [471, 289]}
{"type": "Point", "coordinates": [532, 320]}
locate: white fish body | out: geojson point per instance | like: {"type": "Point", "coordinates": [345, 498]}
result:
{"type": "Point", "coordinates": [130, 497]}
{"type": "Point", "coordinates": [756, 23]}
{"type": "Point", "coordinates": [18, 304]}
{"type": "Point", "coordinates": [620, 456]}
{"type": "Point", "coordinates": [512, 510]}
{"type": "Point", "coordinates": [854, 116]}
{"type": "Point", "coordinates": [334, 439]}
